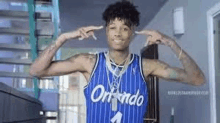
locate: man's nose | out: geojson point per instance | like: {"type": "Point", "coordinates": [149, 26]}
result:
{"type": "Point", "coordinates": [118, 33]}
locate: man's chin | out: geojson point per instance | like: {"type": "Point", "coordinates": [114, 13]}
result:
{"type": "Point", "coordinates": [119, 48]}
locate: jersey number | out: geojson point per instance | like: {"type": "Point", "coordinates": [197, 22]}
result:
{"type": "Point", "coordinates": [117, 118]}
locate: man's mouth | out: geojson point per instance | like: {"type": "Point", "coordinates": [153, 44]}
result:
{"type": "Point", "coordinates": [117, 41]}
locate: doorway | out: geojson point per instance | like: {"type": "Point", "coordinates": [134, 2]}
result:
{"type": "Point", "coordinates": [216, 32]}
{"type": "Point", "coordinates": [213, 23]}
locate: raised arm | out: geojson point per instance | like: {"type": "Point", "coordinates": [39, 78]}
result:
{"type": "Point", "coordinates": [163, 70]}
{"type": "Point", "coordinates": [44, 66]}
{"type": "Point", "coordinates": [190, 74]}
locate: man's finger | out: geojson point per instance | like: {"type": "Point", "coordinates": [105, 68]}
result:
{"type": "Point", "coordinates": [81, 38]}
{"type": "Point", "coordinates": [94, 36]}
{"type": "Point", "coordinates": [144, 32]}
{"type": "Point", "coordinates": [83, 33]}
{"type": "Point", "coordinates": [91, 33]}
{"type": "Point", "coordinates": [90, 28]}
{"type": "Point", "coordinates": [148, 39]}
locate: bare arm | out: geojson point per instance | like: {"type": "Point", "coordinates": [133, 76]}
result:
{"type": "Point", "coordinates": [163, 70]}
{"type": "Point", "coordinates": [44, 66]}
{"type": "Point", "coordinates": [190, 74]}
{"type": "Point", "coordinates": [80, 62]}
{"type": "Point", "coordinates": [45, 58]}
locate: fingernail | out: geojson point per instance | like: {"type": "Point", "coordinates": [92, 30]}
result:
{"type": "Point", "coordinates": [81, 38]}
{"type": "Point", "coordinates": [94, 37]}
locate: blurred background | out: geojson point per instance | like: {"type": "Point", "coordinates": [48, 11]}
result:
{"type": "Point", "coordinates": [194, 24]}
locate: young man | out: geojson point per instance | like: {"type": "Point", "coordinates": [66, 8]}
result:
{"type": "Point", "coordinates": [116, 89]}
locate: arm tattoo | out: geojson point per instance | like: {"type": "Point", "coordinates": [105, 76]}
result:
{"type": "Point", "coordinates": [173, 75]}
{"type": "Point", "coordinates": [45, 58]}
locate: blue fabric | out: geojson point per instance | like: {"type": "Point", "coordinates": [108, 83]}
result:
{"type": "Point", "coordinates": [132, 103]}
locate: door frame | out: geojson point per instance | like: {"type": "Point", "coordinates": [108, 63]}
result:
{"type": "Point", "coordinates": [211, 13]}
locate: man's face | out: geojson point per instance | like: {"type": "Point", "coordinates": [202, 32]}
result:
{"type": "Point", "coordinates": [119, 34]}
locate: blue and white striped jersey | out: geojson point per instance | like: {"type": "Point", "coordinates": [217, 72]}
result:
{"type": "Point", "coordinates": [133, 94]}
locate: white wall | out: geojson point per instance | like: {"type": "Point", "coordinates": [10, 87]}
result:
{"type": "Point", "coordinates": [188, 108]}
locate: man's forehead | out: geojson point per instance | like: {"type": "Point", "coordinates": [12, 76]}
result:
{"type": "Point", "coordinates": [116, 20]}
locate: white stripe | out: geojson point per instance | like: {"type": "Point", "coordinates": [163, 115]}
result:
{"type": "Point", "coordinates": [89, 97]}
{"type": "Point", "coordinates": [97, 60]}
{"type": "Point", "coordinates": [141, 69]}
{"type": "Point", "coordinates": [125, 91]}
{"type": "Point", "coordinates": [103, 82]}
{"type": "Point", "coordinates": [107, 88]}
{"type": "Point", "coordinates": [139, 88]}
{"type": "Point", "coordinates": [135, 86]}
{"type": "Point", "coordinates": [141, 116]}
{"type": "Point", "coordinates": [142, 75]}
{"type": "Point", "coordinates": [130, 88]}
{"type": "Point", "coordinates": [97, 84]}
{"type": "Point", "coordinates": [120, 90]}
{"type": "Point", "coordinates": [132, 58]}
{"type": "Point", "coordinates": [86, 86]}
{"type": "Point", "coordinates": [110, 101]}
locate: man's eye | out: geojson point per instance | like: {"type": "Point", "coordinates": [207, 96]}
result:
{"type": "Point", "coordinates": [125, 29]}
{"type": "Point", "coordinates": [112, 27]}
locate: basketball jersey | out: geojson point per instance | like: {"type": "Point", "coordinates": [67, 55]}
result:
{"type": "Point", "coordinates": [133, 99]}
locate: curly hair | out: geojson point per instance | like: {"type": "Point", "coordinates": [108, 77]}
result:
{"type": "Point", "coordinates": [122, 10]}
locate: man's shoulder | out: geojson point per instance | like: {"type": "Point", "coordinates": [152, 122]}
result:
{"type": "Point", "coordinates": [147, 60]}
{"type": "Point", "coordinates": [84, 58]}
{"type": "Point", "coordinates": [148, 65]}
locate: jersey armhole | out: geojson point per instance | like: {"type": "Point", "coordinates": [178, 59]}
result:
{"type": "Point", "coordinates": [142, 73]}
{"type": "Point", "coordinates": [141, 69]}
{"type": "Point", "coordinates": [94, 68]}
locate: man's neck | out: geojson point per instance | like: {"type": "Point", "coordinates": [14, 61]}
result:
{"type": "Point", "coordinates": [118, 56]}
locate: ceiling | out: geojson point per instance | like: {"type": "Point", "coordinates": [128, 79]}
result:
{"type": "Point", "coordinates": [78, 13]}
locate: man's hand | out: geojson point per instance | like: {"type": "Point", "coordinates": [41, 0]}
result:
{"type": "Point", "coordinates": [83, 32]}
{"type": "Point", "coordinates": [44, 66]}
{"type": "Point", "coordinates": [156, 37]}
{"type": "Point", "coordinates": [191, 73]}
